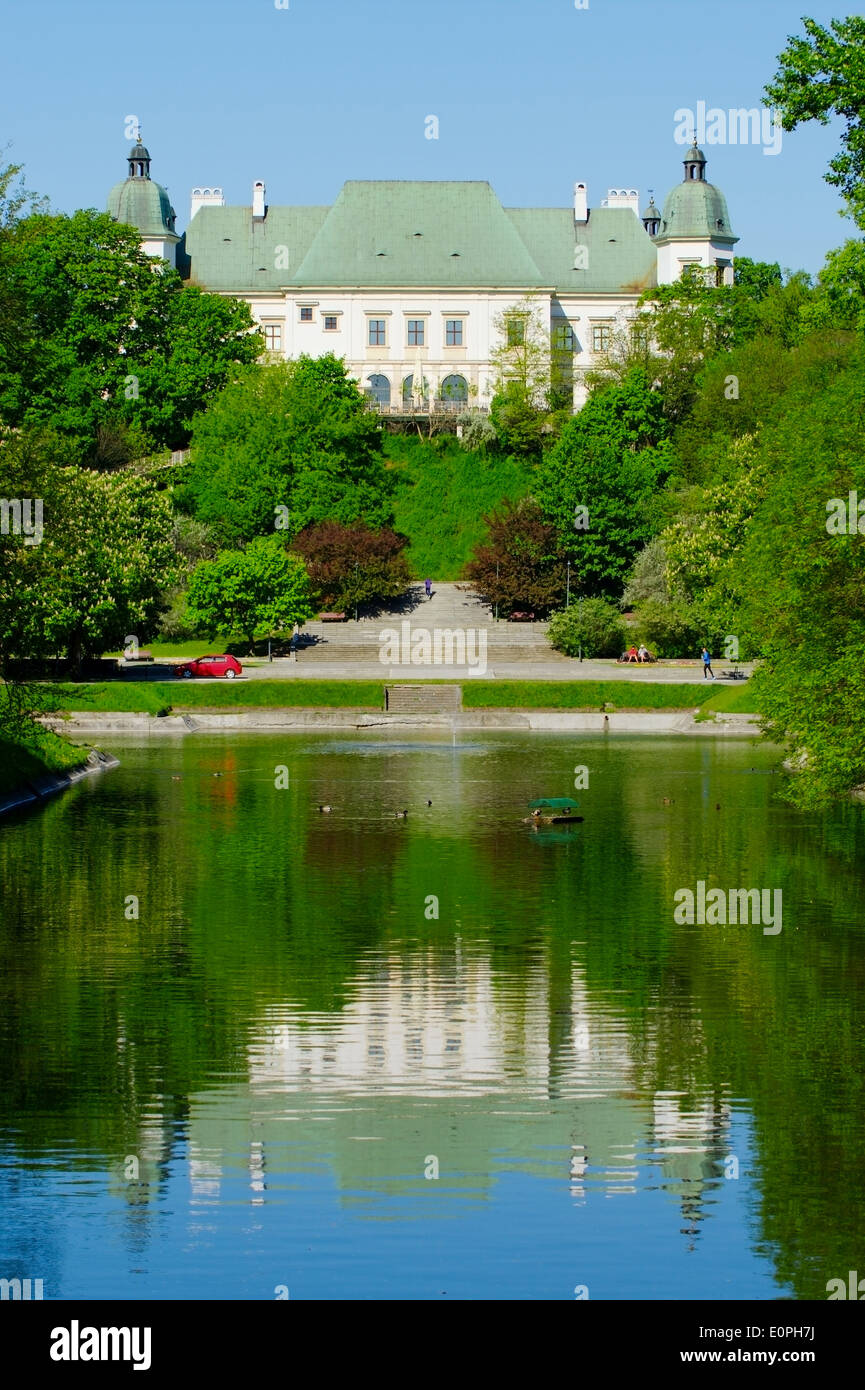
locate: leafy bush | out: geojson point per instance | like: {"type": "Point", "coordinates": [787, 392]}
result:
{"type": "Point", "coordinates": [591, 625]}
{"type": "Point", "coordinates": [478, 431]}
{"type": "Point", "coordinates": [671, 630]}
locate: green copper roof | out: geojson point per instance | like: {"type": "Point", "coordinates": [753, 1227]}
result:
{"type": "Point", "coordinates": [446, 234]}
{"type": "Point", "coordinates": [223, 248]}
{"type": "Point", "coordinates": [412, 233]}
{"type": "Point", "coordinates": [616, 253]}
{"type": "Point", "coordinates": [696, 209]}
{"type": "Point", "coordinates": [143, 204]}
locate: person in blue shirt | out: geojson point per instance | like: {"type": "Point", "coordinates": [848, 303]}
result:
{"type": "Point", "coordinates": [428, 586]}
{"type": "Point", "coordinates": [707, 664]}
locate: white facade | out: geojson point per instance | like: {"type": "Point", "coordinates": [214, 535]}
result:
{"type": "Point", "coordinates": [393, 337]}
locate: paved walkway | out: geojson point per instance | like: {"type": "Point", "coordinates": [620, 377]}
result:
{"type": "Point", "coordinates": [493, 649]}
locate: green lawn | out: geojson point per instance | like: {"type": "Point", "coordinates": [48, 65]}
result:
{"type": "Point", "coordinates": [443, 492]}
{"type": "Point", "coordinates": [730, 699]}
{"type": "Point", "coordinates": [159, 697]}
{"type": "Point", "coordinates": [585, 695]}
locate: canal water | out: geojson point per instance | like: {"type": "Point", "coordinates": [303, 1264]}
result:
{"type": "Point", "coordinates": [250, 1049]}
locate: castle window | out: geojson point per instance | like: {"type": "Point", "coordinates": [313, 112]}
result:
{"type": "Point", "coordinates": [454, 390]}
{"type": "Point", "coordinates": [415, 332]}
{"type": "Point", "coordinates": [331, 323]}
{"type": "Point", "coordinates": [516, 331]}
{"type": "Point", "coordinates": [601, 337]}
{"type": "Point", "coordinates": [453, 332]}
{"type": "Point", "coordinates": [306, 313]}
{"type": "Point", "coordinates": [378, 388]}
{"type": "Point", "coordinates": [377, 333]}
{"type": "Point", "coordinates": [563, 337]}
{"type": "Point", "coordinates": [273, 337]}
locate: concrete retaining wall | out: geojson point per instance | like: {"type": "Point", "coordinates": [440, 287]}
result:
{"type": "Point", "coordinates": [32, 793]}
{"type": "Point", "coordinates": [570, 721]}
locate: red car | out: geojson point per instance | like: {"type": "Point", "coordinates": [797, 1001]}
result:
{"type": "Point", "coordinates": [227, 666]}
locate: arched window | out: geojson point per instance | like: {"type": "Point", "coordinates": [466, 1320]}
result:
{"type": "Point", "coordinates": [454, 390]}
{"type": "Point", "coordinates": [378, 387]}
{"type": "Point", "coordinates": [408, 393]}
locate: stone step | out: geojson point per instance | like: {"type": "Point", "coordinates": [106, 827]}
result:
{"type": "Point", "coordinates": [422, 699]}
{"type": "Point", "coordinates": [322, 656]}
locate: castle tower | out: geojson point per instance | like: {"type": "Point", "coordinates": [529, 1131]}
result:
{"type": "Point", "coordinates": [695, 227]}
{"type": "Point", "coordinates": [145, 205]}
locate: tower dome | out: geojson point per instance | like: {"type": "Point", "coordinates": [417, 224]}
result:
{"type": "Point", "coordinates": [696, 208]}
{"type": "Point", "coordinates": [694, 227]}
{"type": "Point", "coordinates": [145, 205]}
{"type": "Point", "coordinates": [651, 218]}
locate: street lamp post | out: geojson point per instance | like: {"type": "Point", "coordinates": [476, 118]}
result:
{"type": "Point", "coordinates": [356, 563]}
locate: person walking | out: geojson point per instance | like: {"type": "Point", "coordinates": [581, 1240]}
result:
{"type": "Point", "coordinates": [707, 664]}
{"type": "Point", "coordinates": [428, 586]}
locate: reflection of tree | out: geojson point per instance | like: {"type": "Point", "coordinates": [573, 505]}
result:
{"type": "Point", "coordinates": [253, 903]}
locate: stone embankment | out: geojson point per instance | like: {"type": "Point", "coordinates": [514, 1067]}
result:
{"type": "Point", "coordinates": [50, 783]}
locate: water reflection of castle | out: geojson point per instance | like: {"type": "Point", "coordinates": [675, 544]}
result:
{"type": "Point", "coordinates": [439, 1054]}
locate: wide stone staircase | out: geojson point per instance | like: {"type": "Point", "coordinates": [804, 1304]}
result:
{"type": "Point", "coordinates": [452, 608]}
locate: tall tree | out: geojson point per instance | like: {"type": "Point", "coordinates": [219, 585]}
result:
{"type": "Point", "coordinates": [822, 75]}
{"type": "Point", "coordinates": [105, 338]}
{"type": "Point", "coordinates": [288, 445]}
{"type": "Point", "coordinates": [519, 566]}
{"type": "Point", "coordinates": [600, 483]}
{"type": "Point", "coordinates": [257, 591]}
{"type": "Point", "coordinates": [94, 569]}
{"type": "Point", "coordinates": [802, 583]}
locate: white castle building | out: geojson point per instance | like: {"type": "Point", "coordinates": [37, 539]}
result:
{"type": "Point", "coordinates": [411, 282]}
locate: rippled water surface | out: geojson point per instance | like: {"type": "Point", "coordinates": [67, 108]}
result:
{"type": "Point", "coordinates": [351, 1054]}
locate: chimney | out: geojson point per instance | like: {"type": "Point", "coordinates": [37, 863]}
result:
{"type": "Point", "coordinates": [581, 203]}
{"type": "Point", "coordinates": [622, 198]}
{"type": "Point", "coordinates": [206, 197]}
{"type": "Point", "coordinates": [258, 209]}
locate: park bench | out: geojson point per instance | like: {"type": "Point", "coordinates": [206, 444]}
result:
{"type": "Point", "coordinates": [331, 617]}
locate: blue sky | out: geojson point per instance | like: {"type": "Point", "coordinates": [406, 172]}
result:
{"type": "Point", "coordinates": [529, 94]}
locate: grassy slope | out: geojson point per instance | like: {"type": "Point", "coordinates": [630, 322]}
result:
{"type": "Point", "coordinates": [43, 752]}
{"type": "Point", "coordinates": [581, 695]}
{"type": "Point", "coordinates": [156, 697]}
{"type": "Point", "coordinates": [442, 496]}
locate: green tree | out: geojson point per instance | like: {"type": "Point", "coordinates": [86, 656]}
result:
{"type": "Point", "coordinates": [257, 591]}
{"type": "Point", "coordinates": [523, 378]}
{"type": "Point", "coordinates": [102, 339]}
{"type": "Point", "coordinates": [802, 585]}
{"type": "Point", "coordinates": [519, 566]}
{"type": "Point", "coordinates": [821, 76]}
{"type": "Point", "coordinates": [98, 569]}
{"type": "Point", "coordinates": [350, 565]}
{"type": "Point", "coordinates": [288, 444]}
{"type": "Point", "coordinates": [600, 483]}
{"type": "Point", "coordinates": [839, 298]}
